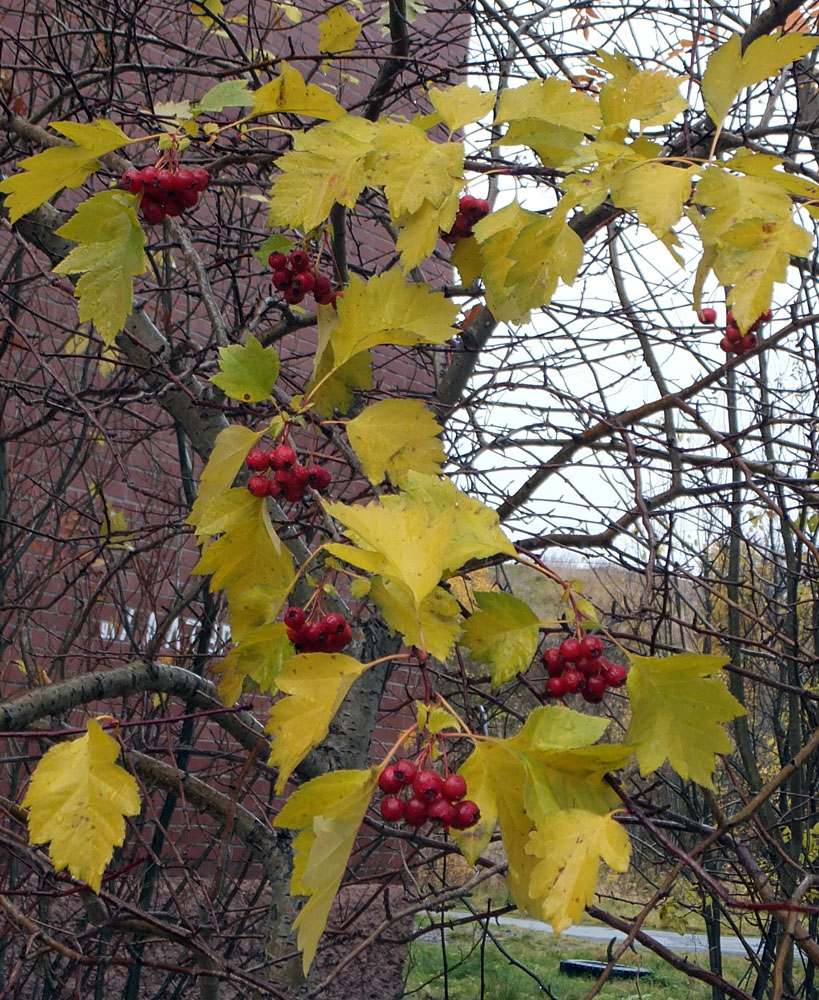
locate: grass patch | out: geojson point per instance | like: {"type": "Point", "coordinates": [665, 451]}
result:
{"type": "Point", "coordinates": [541, 953]}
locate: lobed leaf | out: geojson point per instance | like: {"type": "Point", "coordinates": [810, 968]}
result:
{"type": "Point", "coordinates": [289, 94]}
{"type": "Point", "coordinates": [504, 632]}
{"type": "Point", "coordinates": [338, 31]}
{"type": "Point", "coordinates": [393, 437]}
{"type": "Point", "coordinates": [259, 656]}
{"type": "Point", "coordinates": [247, 372]}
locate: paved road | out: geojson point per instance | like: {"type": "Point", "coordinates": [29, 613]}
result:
{"type": "Point", "coordinates": [692, 944]}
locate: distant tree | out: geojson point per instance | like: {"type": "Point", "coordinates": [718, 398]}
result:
{"type": "Point", "coordinates": [376, 305]}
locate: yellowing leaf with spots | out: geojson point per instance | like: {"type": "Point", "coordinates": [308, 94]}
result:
{"type": "Point", "coordinates": [328, 164]}
{"type": "Point", "coordinates": [247, 372]}
{"type": "Point", "coordinates": [550, 101]}
{"type": "Point", "coordinates": [77, 800]}
{"type": "Point", "coordinates": [729, 70]}
{"type": "Point", "coordinates": [259, 657]}
{"type": "Point", "coordinates": [393, 436]}
{"type": "Point", "coordinates": [504, 632]}
{"type": "Point", "coordinates": [412, 168]}
{"type": "Point", "coordinates": [316, 683]}
{"type": "Point", "coordinates": [328, 811]}
{"type": "Point", "coordinates": [289, 94]}
{"type": "Point", "coordinates": [110, 254]}
{"type": "Point", "coordinates": [569, 846]}
{"type": "Point", "coordinates": [62, 166]}
{"type": "Point", "coordinates": [338, 31]}
{"type": "Point", "coordinates": [461, 105]}
{"type": "Point", "coordinates": [434, 626]}
{"type": "Point", "coordinates": [522, 781]}
{"type": "Point", "coordinates": [677, 712]}
{"type": "Point", "coordinates": [388, 310]}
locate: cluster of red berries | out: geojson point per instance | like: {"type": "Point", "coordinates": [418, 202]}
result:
{"type": "Point", "coordinates": [577, 666]}
{"type": "Point", "coordinates": [165, 192]}
{"type": "Point", "coordinates": [735, 341]}
{"type": "Point", "coordinates": [289, 479]}
{"type": "Point", "coordinates": [439, 800]}
{"type": "Point", "coordinates": [295, 277]}
{"type": "Point", "coordinates": [470, 211]}
{"type": "Point", "coordinates": [329, 634]}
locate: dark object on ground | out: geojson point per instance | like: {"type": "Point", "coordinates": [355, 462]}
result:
{"type": "Point", "coordinates": [577, 967]}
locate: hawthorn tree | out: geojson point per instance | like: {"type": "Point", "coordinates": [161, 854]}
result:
{"type": "Point", "coordinates": [397, 312]}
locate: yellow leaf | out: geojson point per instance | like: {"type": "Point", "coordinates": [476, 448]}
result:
{"type": "Point", "coordinates": [435, 626]}
{"type": "Point", "coordinates": [114, 530]}
{"type": "Point", "coordinates": [435, 720]}
{"type": "Point", "coordinates": [62, 166]}
{"type": "Point", "coordinates": [317, 684]}
{"type": "Point", "coordinates": [570, 845]}
{"type": "Point", "coordinates": [228, 456]}
{"type": "Point", "coordinates": [289, 94]}
{"type": "Point", "coordinates": [550, 101]}
{"type": "Point", "coordinates": [656, 192]}
{"type": "Point", "coordinates": [729, 70]}
{"type": "Point", "coordinates": [676, 711]}
{"type": "Point", "coordinates": [461, 105]}
{"type": "Point", "coordinates": [328, 164]}
{"type": "Point", "coordinates": [77, 799]}
{"type": "Point", "coordinates": [206, 10]}
{"type": "Point", "coordinates": [258, 656]}
{"type": "Point", "coordinates": [650, 96]}
{"type": "Point", "coordinates": [110, 255]}
{"type": "Point", "coordinates": [421, 230]}
{"type": "Point", "coordinates": [466, 256]}
{"type": "Point", "coordinates": [396, 435]}
{"type": "Point", "coordinates": [328, 810]}
{"type": "Point", "coordinates": [388, 310]}
{"type": "Point", "coordinates": [248, 555]}
{"type": "Point", "coordinates": [338, 31]}
{"type": "Point", "coordinates": [504, 633]}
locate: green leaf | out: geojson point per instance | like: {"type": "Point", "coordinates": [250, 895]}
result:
{"type": "Point", "coordinates": [258, 656]}
{"type": "Point", "coordinates": [110, 254]}
{"type": "Point", "coordinates": [387, 310]}
{"type": "Point", "coordinates": [729, 70]}
{"type": "Point", "coordinates": [77, 798]}
{"type": "Point", "coordinates": [275, 243]}
{"type": "Point", "coordinates": [461, 105]}
{"type": "Point", "coordinates": [329, 811]}
{"type": "Point", "coordinates": [677, 711]}
{"type": "Point", "coordinates": [288, 93]}
{"type": "Point", "coordinates": [247, 373]}
{"type": "Point", "coordinates": [317, 683]}
{"type": "Point", "coordinates": [434, 626]}
{"type": "Point", "coordinates": [62, 166]}
{"type": "Point", "coordinates": [338, 31]}
{"type": "Point", "coordinates": [328, 164]}
{"type": "Point", "coordinates": [228, 94]}
{"type": "Point", "coordinates": [394, 436]}
{"type": "Point", "coordinates": [504, 633]}
{"type": "Point", "coordinates": [570, 846]}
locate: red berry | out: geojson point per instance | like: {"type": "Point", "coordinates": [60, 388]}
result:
{"type": "Point", "coordinates": [729, 318]}
{"type": "Point", "coordinates": [294, 616]}
{"type": "Point", "coordinates": [708, 315]}
{"type": "Point", "coordinates": [467, 204]}
{"type": "Point", "coordinates": [596, 685]}
{"type": "Point", "coordinates": [343, 638]}
{"type": "Point", "coordinates": [555, 687]}
{"type": "Point", "coordinates": [187, 198]}
{"type": "Point", "coordinates": [293, 494]}
{"type": "Point", "coordinates": [392, 809]}
{"type": "Point", "coordinates": [299, 260]}
{"type": "Point", "coordinates": [201, 178]}
{"type": "Point", "coordinates": [415, 811]}
{"type": "Point", "coordinates": [467, 814]}
{"type": "Point", "coordinates": [388, 782]}
{"type": "Point", "coordinates": [274, 488]}
{"type": "Point", "coordinates": [257, 460]}
{"type": "Point", "coordinates": [587, 666]}
{"type": "Point", "coordinates": [296, 636]}
{"type": "Point", "coordinates": [281, 279]}
{"type": "Point", "coordinates": [615, 675]}
{"type": "Point", "coordinates": [303, 282]}
{"type": "Point", "coordinates": [572, 681]}
{"type": "Point", "coordinates": [300, 476]}
{"type": "Point", "coordinates": [148, 176]}
{"type": "Point", "coordinates": [726, 345]}
{"type": "Point", "coordinates": [554, 662]}
{"type": "Point", "coordinates": [282, 457]}
{"type": "Point", "coordinates": [404, 771]}
{"type": "Point", "coordinates": [569, 649]}
{"type": "Point", "coordinates": [442, 812]}
{"type": "Point", "coordinates": [322, 286]}
{"type": "Point", "coordinates": [173, 206]}
{"type": "Point", "coordinates": [427, 784]}
{"type": "Point", "coordinates": [592, 699]}
{"type": "Point", "coordinates": [165, 181]}
{"type": "Point", "coordinates": [293, 295]}
{"type": "Point", "coordinates": [591, 645]}
{"type": "Point", "coordinates": [317, 477]}
{"type": "Point", "coordinates": [132, 181]}
{"type": "Point", "coordinates": [733, 333]}
{"type": "Point", "coordinates": [284, 477]}
{"type": "Point", "coordinates": [184, 180]}
{"type": "Point", "coordinates": [257, 486]}
{"type": "Point", "coordinates": [748, 342]}
{"type": "Point", "coordinates": [277, 261]}
{"type": "Point", "coordinates": [152, 211]}
{"type": "Point", "coordinates": [767, 316]}
{"type": "Point", "coordinates": [454, 788]}
{"type": "Point", "coordinates": [335, 622]}
{"type": "Point", "coordinates": [335, 298]}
